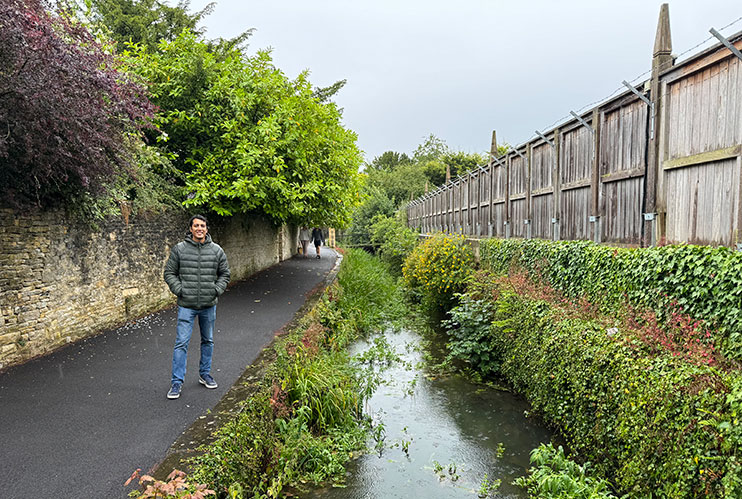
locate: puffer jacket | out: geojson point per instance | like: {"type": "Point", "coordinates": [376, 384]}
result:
{"type": "Point", "coordinates": [197, 273]}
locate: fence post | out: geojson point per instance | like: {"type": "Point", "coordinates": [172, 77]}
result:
{"type": "Point", "coordinates": [595, 179]}
{"type": "Point", "coordinates": [557, 184]}
{"type": "Point", "coordinates": [491, 210]}
{"type": "Point", "coordinates": [529, 201]}
{"type": "Point", "coordinates": [507, 197]}
{"type": "Point", "coordinates": [661, 61]}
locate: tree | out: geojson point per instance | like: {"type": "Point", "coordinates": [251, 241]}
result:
{"type": "Point", "coordinates": [432, 148]}
{"type": "Point", "coordinates": [388, 161]}
{"type": "Point", "coordinates": [324, 94]}
{"type": "Point", "coordinates": [248, 138]}
{"type": "Point", "coordinates": [65, 108]}
{"type": "Point", "coordinates": [376, 203]}
{"type": "Point", "coordinates": [395, 178]}
{"type": "Point", "coordinates": [146, 22]}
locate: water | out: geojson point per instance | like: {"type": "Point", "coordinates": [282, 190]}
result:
{"type": "Point", "coordinates": [444, 438]}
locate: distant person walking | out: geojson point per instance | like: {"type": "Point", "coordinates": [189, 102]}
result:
{"type": "Point", "coordinates": [318, 238]}
{"type": "Point", "coordinates": [197, 272]}
{"type": "Point", "coordinates": [304, 236]}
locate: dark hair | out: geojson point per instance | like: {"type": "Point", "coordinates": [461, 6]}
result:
{"type": "Point", "coordinates": [197, 217]}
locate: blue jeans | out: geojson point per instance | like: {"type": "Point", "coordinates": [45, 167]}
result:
{"type": "Point", "coordinates": [186, 317]}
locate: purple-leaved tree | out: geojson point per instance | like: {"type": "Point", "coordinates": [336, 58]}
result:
{"type": "Point", "coordinates": [64, 107]}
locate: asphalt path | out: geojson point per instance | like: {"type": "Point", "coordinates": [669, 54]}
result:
{"type": "Point", "coordinates": [77, 422]}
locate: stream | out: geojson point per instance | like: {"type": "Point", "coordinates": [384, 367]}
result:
{"type": "Point", "coordinates": [438, 437]}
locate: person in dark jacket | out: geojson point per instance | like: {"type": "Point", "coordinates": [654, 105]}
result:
{"type": "Point", "coordinates": [197, 272]}
{"type": "Point", "coordinates": [318, 238]}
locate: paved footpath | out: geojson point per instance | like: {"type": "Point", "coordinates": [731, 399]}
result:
{"type": "Point", "coordinates": [76, 423]}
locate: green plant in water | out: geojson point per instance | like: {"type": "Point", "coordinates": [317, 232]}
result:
{"type": "Point", "coordinates": [554, 476]}
{"type": "Point", "coordinates": [378, 432]}
{"type": "Point", "coordinates": [438, 470]}
{"type": "Point", "coordinates": [380, 354]}
{"type": "Point", "coordinates": [452, 472]}
{"type": "Point", "coordinates": [500, 451]}
{"type": "Point", "coordinates": [470, 340]}
{"type": "Point", "coordinates": [488, 487]}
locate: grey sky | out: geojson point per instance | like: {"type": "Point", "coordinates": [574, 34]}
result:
{"type": "Point", "coordinates": [459, 69]}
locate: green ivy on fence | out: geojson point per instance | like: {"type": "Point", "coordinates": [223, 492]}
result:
{"type": "Point", "coordinates": [701, 281]}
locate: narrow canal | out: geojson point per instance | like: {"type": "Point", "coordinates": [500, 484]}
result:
{"type": "Point", "coordinates": [438, 437]}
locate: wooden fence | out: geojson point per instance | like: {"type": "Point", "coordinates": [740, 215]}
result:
{"type": "Point", "coordinates": [659, 162]}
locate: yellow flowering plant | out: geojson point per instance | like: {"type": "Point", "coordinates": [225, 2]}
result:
{"type": "Point", "coordinates": [438, 269]}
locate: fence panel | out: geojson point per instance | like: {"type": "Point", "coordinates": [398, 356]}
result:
{"type": "Point", "coordinates": [542, 190]}
{"type": "Point", "coordinates": [576, 157]}
{"type": "Point", "coordinates": [623, 144]}
{"type": "Point", "coordinates": [702, 149]}
{"type": "Point", "coordinates": [518, 195]}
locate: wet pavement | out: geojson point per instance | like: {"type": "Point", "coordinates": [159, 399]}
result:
{"type": "Point", "coordinates": [77, 422]}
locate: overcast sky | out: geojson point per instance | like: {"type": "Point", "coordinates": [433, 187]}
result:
{"type": "Point", "coordinates": [462, 68]}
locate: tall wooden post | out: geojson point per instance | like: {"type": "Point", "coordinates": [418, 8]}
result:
{"type": "Point", "coordinates": [595, 215]}
{"type": "Point", "coordinates": [493, 150]}
{"type": "Point", "coordinates": [557, 185]}
{"type": "Point", "coordinates": [507, 197]}
{"type": "Point", "coordinates": [529, 187]}
{"type": "Point", "coordinates": [661, 61]}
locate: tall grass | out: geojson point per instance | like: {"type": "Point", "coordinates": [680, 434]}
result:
{"type": "Point", "coordinates": [306, 417]}
{"type": "Point", "coordinates": [370, 296]}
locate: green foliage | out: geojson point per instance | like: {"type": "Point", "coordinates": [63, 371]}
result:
{"type": "Point", "coordinates": [701, 281]}
{"type": "Point", "coordinates": [247, 138]}
{"type": "Point", "coordinates": [388, 161]}
{"type": "Point", "coordinates": [376, 203]}
{"type": "Point", "coordinates": [148, 187]}
{"type": "Point", "coordinates": [469, 336]}
{"type": "Point", "coordinates": [305, 420]}
{"type": "Point", "coordinates": [325, 389]}
{"type": "Point", "coordinates": [438, 268]}
{"type": "Point", "coordinates": [394, 240]}
{"type": "Point", "coordinates": [370, 296]}
{"type": "Point", "coordinates": [650, 420]}
{"type": "Point", "coordinates": [145, 21]}
{"type": "Point", "coordinates": [396, 178]}
{"type": "Point", "coordinates": [554, 476]}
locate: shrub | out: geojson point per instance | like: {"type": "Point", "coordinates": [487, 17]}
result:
{"type": "Point", "coordinates": [438, 269]}
{"type": "Point", "coordinates": [469, 336]}
{"type": "Point", "coordinates": [395, 241]}
{"type": "Point", "coordinates": [174, 487]}
{"type": "Point", "coordinates": [65, 108]}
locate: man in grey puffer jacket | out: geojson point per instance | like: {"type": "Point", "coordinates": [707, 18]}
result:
{"type": "Point", "coordinates": [197, 272]}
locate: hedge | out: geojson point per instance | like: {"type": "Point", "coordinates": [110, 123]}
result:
{"type": "Point", "coordinates": [703, 282]}
{"type": "Point", "coordinates": [653, 423]}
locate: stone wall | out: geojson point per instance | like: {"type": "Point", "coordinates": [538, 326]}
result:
{"type": "Point", "coordinates": [62, 281]}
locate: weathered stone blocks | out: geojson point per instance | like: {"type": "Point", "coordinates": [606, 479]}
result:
{"type": "Point", "coordinates": [61, 281]}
